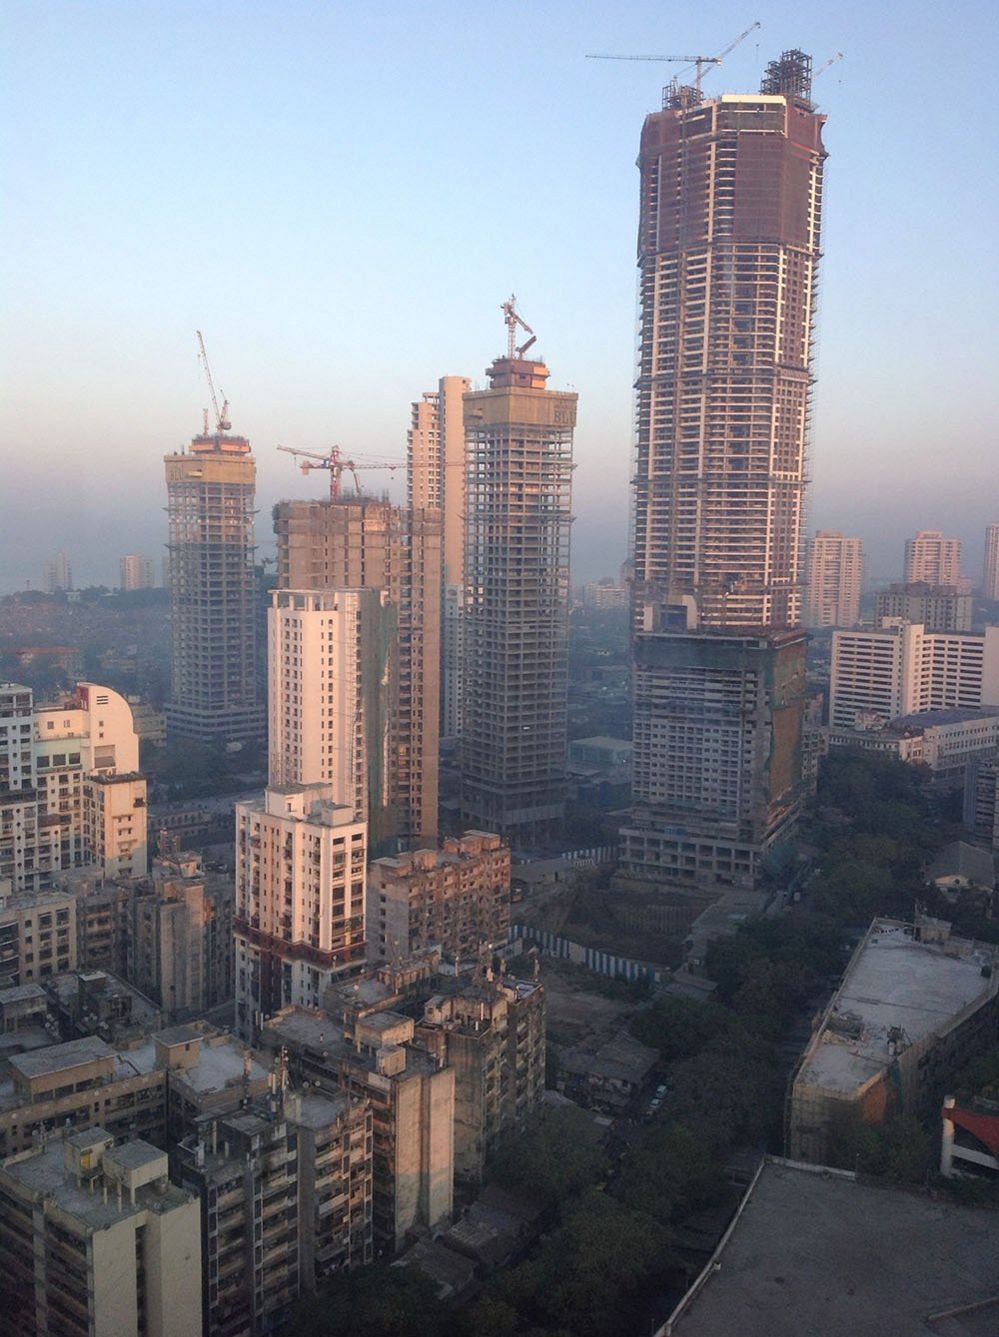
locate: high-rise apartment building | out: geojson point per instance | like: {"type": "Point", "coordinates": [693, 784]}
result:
{"type": "Point", "coordinates": [835, 573]}
{"type": "Point", "coordinates": [990, 580]}
{"type": "Point", "coordinates": [436, 481]}
{"type": "Point", "coordinates": [213, 591]}
{"type": "Point", "coordinates": [58, 574]}
{"type": "Point", "coordinates": [136, 572]}
{"type": "Point", "coordinates": [363, 544]}
{"type": "Point", "coordinates": [932, 559]}
{"type": "Point", "coordinates": [731, 197]}
{"type": "Point", "coordinates": [300, 887]}
{"type": "Point", "coordinates": [517, 520]}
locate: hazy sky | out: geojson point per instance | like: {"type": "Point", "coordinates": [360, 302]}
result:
{"type": "Point", "coordinates": [341, 196]}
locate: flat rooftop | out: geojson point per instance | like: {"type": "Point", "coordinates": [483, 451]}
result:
{"type": "Point", "coordinates": [818, 1255]}
{"type": "Point", "coordinates": [55, 1057]}
{"type": "Point", "coordinates": [893, 981]}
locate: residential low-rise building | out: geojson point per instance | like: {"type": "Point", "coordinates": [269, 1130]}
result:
{"type": "Point", "coordinates": [914, 1005]}
{"type": "Point", "coordinates": [457, 897]}
{"type": "Point", "coordinates": [96, 1242]}
{"type": "Point", "coordinates": [412, 1100]}
{"type": "Point", "coordinates": [937, 607]}
{"type": "Point", "coordinates": [492, 1034]}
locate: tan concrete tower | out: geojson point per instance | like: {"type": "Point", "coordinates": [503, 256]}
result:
{"type": "Point", "coordinates": [518, 497]}
{"type": "Point", "coordinates": [835, 576]}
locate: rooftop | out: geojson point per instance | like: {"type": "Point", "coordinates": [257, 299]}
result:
{"type": "Point", "coordinates": [42, 1173]}
{"type": "Point", "coordinates": [56, 1057]}
{"type": "Point", "coordinates": [959, 859]}
{"type": "Point", "coordinates": [892, 982]}
{"type": "Point", "coordinates": [810, 1254]}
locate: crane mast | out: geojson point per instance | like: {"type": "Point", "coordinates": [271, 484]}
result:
{"type": "Point", "coordinates": [222, 423]}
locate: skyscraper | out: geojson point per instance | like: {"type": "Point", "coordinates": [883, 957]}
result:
{"type": "Point", "coordinates": [517, 519]}
{"type": "Point", "coordinates": [213, 591]}
{"type": "Point", "coordinates": [932, 559]}
{"type": "Point", "coordinates": [436, 481]}
{"type": "Point", "coordinates": [990, 582]}
{"type": "Point", "coordinates": [731, 194]}
{"type": "Point", "coordinates": [834, 575]}
{"type": "Point", "coordinates": [364, 543]}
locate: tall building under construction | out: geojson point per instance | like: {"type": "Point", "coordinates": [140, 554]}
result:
{"type": "Point", "coordinates": [728, 251]}
{"type": "Point", "coordinates": [517, 519]}
{"type": "Point", "coordinates": [364, 543]}
{"type": "Point", "coordinates": [214, 691]}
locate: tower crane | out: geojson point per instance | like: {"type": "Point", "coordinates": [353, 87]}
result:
{"type": "Point", "coordinates": [336, 462]}
{"type": "Point", "coordinates": [513, 319]}
{"type": "Point", "coordinates": [698, 62]}
{"type": "Point", "coordinates": [826, 63]}
{"type": "Point", "coordinates": [222, 423]}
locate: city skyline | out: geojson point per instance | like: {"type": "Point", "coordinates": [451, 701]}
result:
{"type": "Point", "coordinates": [321, 322]}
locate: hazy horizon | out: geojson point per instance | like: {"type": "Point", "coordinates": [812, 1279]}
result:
{"type": "Point", "coordinates": [341, 201]}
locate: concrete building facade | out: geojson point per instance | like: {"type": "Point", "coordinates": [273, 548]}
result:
{"type": "Point", "coordinates": [933, 559]}
{"type": "Point", "coordinates": [213, 591]}
{"type": "Point", "coordinates": [981, 799]}
{"type": "Point", "coordinates": [518, 489]}
{"type": "Point", "coordinates": [95, 1241]}
{"type": "Point", "coordinates": [716, 765]}
{"type": "Point", "coordinates": [436, 465]}
{"type": "Point", "coordinates": [58, 574]}
{"type": "Point", "coordinates": [457, 897]}
{"type": "Point", "coordinates": [835, 576]}
{"type": "Point", "coordinates": [728, 253]}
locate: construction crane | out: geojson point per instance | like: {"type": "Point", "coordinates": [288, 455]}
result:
{"type": "Point", "coordinates": [825, 64]}
{"type": "Point", "coordinates": [698, 62]}
{"type": "Point", "coordinates": [222, 423]}
{"type": "Point", "coordinates": [336, 462]}
{"type": "Point", "coordinates": [512, 319]}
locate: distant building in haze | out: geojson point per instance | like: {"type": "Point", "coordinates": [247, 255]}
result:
{"type": "Point", "coordinates": [937, 607]}
{"type": "Point", "coordinates": [517, 521]}
{"type": "Point", "coordinates": [58, 574]}
{"type": "Point", "coordinates": [932, 559]}
{"type": "Point", "coordinates": [990, 582]}
{"type": "Point", "coordinates": [436, 481]}
{"type": "Point", "coordinates": [835, 574]}
{"type": "Point", "coordinates": [136, 572]}
{"type": "Point", "coordinates": [213, 591]}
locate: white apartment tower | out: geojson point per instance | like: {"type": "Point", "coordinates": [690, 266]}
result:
{"type": "Point", "coordinates": [990, 583]}
{"type": "Point", "coordinates": [58, 574]}
{"type": "Point", "coordinates": [301, 849]}
{"type": "Point", "coordinates": [834, 578]}
{"type": "Point", "coordinates": [436, 481]}
{"type": "Point", "coordinates": [902, 669]}
{"type": "Point", "coordinates": [932, 559]}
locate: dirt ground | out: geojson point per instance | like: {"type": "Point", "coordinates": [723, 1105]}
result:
{"type": "Point", "coordinates": [575, 1014]}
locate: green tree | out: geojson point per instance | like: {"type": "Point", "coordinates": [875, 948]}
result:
{"type": "Point", "coordinates": [554, 1158]}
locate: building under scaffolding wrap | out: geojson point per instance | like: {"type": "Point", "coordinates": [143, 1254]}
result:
{"type": "Point", "coordinates": [213, 591]}
{"type": "Point", "coordinates": [728, 249]}
{"type": "Point", "coordinates": [518, 491]}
